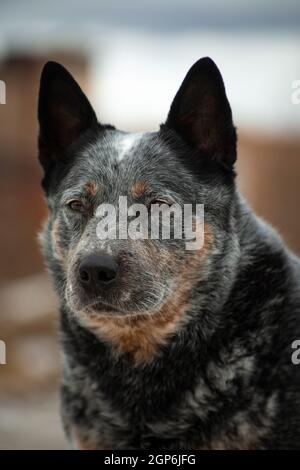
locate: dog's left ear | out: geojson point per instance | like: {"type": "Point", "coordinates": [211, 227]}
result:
{"type": "Point", "coordinates": [64, 113]}
{"type": "Point", "coordinates": [201, 114]}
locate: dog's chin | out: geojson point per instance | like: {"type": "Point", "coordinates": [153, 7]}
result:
{"type": "Point", "coordinates": [116, 307]}
{"type": "Point", "coordinates": [95, 307]}
{"type": "Point", "coordinates": [103, 309]}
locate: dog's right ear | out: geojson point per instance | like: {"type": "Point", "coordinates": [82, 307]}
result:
{"type": "Point", "coordinates": [201, 114]}
{"type": "Point", "coordinates": [64, 113]}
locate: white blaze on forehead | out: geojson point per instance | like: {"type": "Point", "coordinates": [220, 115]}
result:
{"type": "Point", "coordinates": [126, 143]}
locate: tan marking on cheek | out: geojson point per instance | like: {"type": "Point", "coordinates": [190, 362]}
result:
{"type": "Point", "coordinates": [141, 335]}
{"type": "Point", "coordinates": [64, 255]}
{"type": "Point", "coordinates": [91, 188]}
{"type": "Point", "coordinates": [55, 235]}
{"type": "Point", "coordinates": [138, 189]}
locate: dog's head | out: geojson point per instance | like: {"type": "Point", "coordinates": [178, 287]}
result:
{"type": "Point", "coordinates": [90, 169]}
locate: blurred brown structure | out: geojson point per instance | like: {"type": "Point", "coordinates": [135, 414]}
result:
{"type": "Point", "coordinates": [21, 204]}
{"type": "Point", "coordinates": [269, 177]}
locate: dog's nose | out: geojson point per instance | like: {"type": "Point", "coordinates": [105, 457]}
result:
{"type": "Point", "coordinates": [97, 269]}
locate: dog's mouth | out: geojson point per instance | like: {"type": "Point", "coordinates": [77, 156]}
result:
{"type": "Point", "coordinates": [123, 306]}
{"type": "Point", "coordinates": [101, 308]}
{"type": "Point", "coordinates": [94, 306]}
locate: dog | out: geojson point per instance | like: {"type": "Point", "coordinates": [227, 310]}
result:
{"type": "Point", "coordinates": [163, 347]}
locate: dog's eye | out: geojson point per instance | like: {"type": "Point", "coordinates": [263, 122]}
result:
{"type": "Point", "coordinates": [76, 205]}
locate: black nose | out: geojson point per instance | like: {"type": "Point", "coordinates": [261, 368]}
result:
{"type": "Point", "coordinates": [96, 270]}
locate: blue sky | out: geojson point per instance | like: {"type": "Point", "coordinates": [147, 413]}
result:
{"type": "Point", "coordinates": [159, 15]}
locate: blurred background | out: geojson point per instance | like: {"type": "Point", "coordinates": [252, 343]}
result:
{"type": "Point", "coordinates": [130, 58]}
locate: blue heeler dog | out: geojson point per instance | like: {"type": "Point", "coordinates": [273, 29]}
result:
{"type": "Point", "coordinates": [164, 347]}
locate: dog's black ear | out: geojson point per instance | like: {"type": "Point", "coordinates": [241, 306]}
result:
{"type": "Point", "coordinates": [64, 113]}
{"type": "Point", "coordinates": [201, 114]}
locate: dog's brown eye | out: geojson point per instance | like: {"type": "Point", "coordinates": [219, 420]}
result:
{"type": "Point", "coordinates": [76, 205]}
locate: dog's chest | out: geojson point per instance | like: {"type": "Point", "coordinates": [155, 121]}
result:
{"type": "Point", "coordinates": [107, 429]}
{"type": "Point", "coordinates": [137, 418]}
